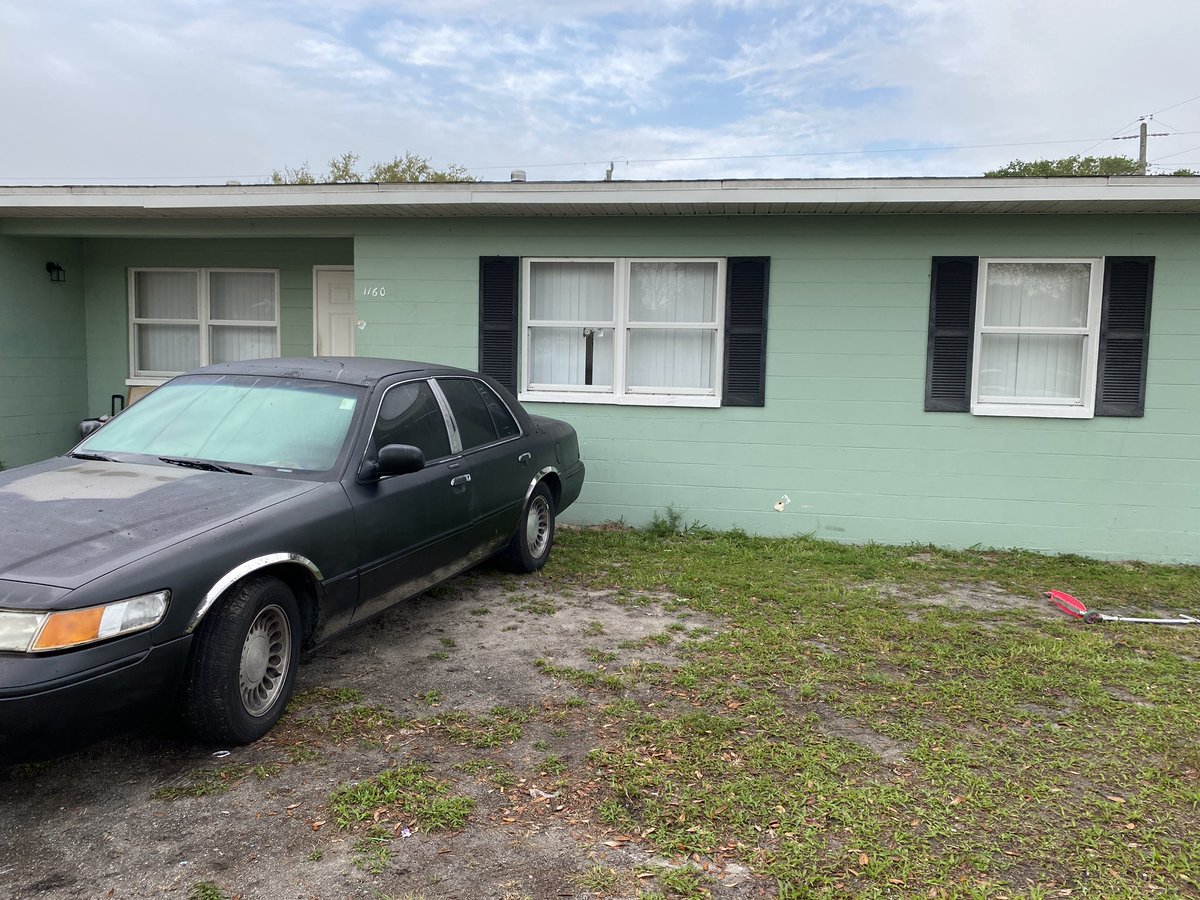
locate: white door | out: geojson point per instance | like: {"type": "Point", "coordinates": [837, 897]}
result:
{"type": "Point", "coordinates": [333, 292]}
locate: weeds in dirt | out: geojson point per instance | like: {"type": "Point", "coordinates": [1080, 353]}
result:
{"type": "Point", "coordinates": [481, 731]}
{"type": "Point", "coordinates": [892, 720]}
{"type": "Point", "coordinates": [206, 890]}
{"type": "Point", "coordinates": [580, 677]}
{"type": "Point", "coordinates": [598, 880]}
{"type": "Point", "coordinates": [205, 783]}
{"type": "Point", "coordinates": [399, 797]}
{"type": "Point", "coordinates": [537, 606]}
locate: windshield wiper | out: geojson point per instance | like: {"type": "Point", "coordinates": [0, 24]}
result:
{"type": "Point", "coordinates": [97, 457]}
{"type": "Point", "coordinates": [204, 465]}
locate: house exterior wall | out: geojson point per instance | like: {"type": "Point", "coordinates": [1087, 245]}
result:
{"type": "Point", "coordinates": [844, 433]}
{"type": "Point", "coordinates": [107, 297]}
{"type": "Point", "coordinates": [43, 362]}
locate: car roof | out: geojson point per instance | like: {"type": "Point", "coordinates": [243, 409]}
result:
{"type": "Point", "coordinates": [362, 370]}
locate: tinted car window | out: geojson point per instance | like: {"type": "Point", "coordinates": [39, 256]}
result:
{"type": "Point", "coordinates": [476, 423]}
{"type": "Point", "coordinates": [410, 414]}
{"type": "Point", "coordinates": [506, 425]}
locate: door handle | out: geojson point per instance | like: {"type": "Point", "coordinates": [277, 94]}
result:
{"type": "Point", "coordinates": [524, 458]}
{"type": "Point", "coordinates": [459, 479]}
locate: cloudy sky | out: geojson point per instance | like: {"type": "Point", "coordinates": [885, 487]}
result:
{"type": "Point", "coordinates": [203, 91]}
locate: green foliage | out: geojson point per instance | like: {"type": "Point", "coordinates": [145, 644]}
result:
{"type": "Point", "coordinates": [879, 721]}
{"type": "Point", "coordinates": [206, 890]}
{"type": "Point", "coordinates": [405, 793]}
{"type": "Point", "coordinates": [1072, 166]}
{"type": "Point", "coordinates": [344, 170]}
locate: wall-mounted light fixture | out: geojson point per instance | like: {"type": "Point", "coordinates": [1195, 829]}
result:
{"type": "Point", "coordinates": [57, 272]}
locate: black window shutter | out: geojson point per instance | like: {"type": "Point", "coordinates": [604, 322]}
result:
{"type": "Point", "coordinates": [951, 334]}
{"type": "Point", "coordinates": [1124, 336]}
{"type": "Point", "coordinates": [498, 318]}
{"type": "Point", "coordinates": [747, 279]}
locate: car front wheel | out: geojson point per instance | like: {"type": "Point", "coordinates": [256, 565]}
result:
{"type": "Point", "coordinates": [243, 666]}
{"type": "Point", "coordinates": [530, 546]}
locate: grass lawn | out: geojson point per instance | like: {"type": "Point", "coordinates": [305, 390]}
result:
{"type": "Point", "coordinates": [901, 721]}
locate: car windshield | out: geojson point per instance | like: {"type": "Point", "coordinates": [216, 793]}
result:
{"type": "Point", "coordinates": [276, 423]}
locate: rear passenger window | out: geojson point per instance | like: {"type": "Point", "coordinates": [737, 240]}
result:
{"type": "Point", "coordinates": [506, 425]}
{"type": "Point", "coordinates": [410, 414]}
{"type": "Point", "coordinates": [481, 417]}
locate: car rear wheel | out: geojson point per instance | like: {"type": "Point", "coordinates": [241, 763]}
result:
{"type": "Point", "coordinates": [530, 546]}
{"type": "Point", "coordinates": [243, 666]}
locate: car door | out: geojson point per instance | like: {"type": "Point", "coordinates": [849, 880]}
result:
{"type": "Point", "coordinates": [414, 530]}
{"type": "Point", "coordinates": [493, 451]}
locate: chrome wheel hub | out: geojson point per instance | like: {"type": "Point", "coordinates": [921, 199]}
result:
{"type": "Point", "coordinates": [537, 527]}
{"type": "Point", "coordinates": [266, 654]}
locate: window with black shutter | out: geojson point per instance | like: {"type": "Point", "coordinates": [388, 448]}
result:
{"type": "Point", "coordinates": [1042, 337]}
{"type": "Point", "coordinates": [645, 331]}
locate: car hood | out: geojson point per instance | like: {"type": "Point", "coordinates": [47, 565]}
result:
{"type": "Point", "coordinates": [64, 522]}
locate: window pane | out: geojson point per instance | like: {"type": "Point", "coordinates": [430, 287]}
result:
{"type": "Point", "coordinates": [242, 296]}
{"type": "Point", "coordinates": [410, 414]}
{"type": "Point", "coordinates": [165, 295]}
{"type": "Point", "coordinates": [1037, 294]}
{"type": "Point", "coordinates": [230, 343]}
{"type": "Point", "coordinates": [1031, 366]}
{"type": "Point", "coordinates": [673, 292]}
{"type": "Point", "coordinates": [168, 348]}
{"type": "Point", "coordinates": [562, 356]}
{"type": "Point", "coordinates": [475, 425]}
{"type": "Point", "coordinates": [506, 425]}
{"type": "Point", "coordinates": [571, 292]}
{"type": "Point", "coordinates": [671, 358]}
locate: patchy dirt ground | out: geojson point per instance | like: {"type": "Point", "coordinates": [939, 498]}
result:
{"type": "Point", "coordinates": [498, 691]}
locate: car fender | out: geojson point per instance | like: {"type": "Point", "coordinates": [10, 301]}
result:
{"type": "Point", "coordinates": [537, 479]}
{"type": "Point", "coordinates": [250, 566]}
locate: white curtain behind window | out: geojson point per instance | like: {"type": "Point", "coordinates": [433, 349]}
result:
{"type": "Point", "coordinates": [580, 293]}
{"type": "Point", "coordinates": [1029, 365]}
{"type": "Point", "coordinates": [672, 292]}
{"type": "Point", "coordinates": [242, 296]}
{"type": "Point", "coordinates": [167, 295]}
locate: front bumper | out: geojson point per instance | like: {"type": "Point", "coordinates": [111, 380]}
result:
{"type": "Point", "coordinates": [43, 719]}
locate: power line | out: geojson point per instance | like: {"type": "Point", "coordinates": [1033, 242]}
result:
{"type": "Point", "coordinates": [1181, 103]}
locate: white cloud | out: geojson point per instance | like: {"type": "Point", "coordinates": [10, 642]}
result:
{"type": "Point", "coordinates": [163, 89]}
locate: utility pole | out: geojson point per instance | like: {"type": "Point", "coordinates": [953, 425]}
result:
{"type": "Point", "coordinates": [1142, 136]}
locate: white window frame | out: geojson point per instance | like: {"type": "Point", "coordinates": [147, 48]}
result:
{"type": "Point", "coordinates": [1035, 407]}
{"type": "Point", "coordinates": [139, 376]}
{"type": "Point", "coordinates": [621, 393]}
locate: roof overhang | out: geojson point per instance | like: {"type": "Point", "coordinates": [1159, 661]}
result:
{"type": "Point", "coordinates": [890, 196]}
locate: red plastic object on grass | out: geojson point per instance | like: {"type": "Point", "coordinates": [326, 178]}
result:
{"type": "Point", "coordinates": [1075, 607]}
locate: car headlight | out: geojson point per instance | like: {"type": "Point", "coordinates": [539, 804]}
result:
{"type": "Point", "coordinates": [38, 632]}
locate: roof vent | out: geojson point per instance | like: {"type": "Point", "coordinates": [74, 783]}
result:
{"type": "Point", "coordinates": [517, 175]}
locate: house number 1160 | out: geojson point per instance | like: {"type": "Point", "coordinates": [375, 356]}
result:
{"type": "Point", "coordinates": [377, 291]}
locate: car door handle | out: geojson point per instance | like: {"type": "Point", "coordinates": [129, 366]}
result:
{"type": "Point", "coordinates": [459, 479]}
{"type": "Point", "coordinates": [524, 458]}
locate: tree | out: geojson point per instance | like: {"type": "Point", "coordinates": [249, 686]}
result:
{"type": "Point", "coordinates": [344, 170]}
{"type": "Point", "coordinates": [1072, 166]}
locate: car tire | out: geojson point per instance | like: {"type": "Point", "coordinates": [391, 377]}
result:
{"type": "Point", "coordinates": [530, 546]}
{"type": "Point", "coordinates": [243, 665]}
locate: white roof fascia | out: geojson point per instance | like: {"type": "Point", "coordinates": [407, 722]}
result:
{"type": "Point", "coordinates": [603, 196]}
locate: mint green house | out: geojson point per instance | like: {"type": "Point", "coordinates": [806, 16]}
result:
{"type": "Point", "coordinates": [1008, 363]}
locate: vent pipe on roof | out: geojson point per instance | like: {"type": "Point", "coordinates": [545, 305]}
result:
{"type": "Point", "coordinates": [517, 175]}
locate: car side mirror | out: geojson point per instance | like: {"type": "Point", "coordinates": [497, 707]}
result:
{"type": "Point", "coordinates": [399, 459]}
